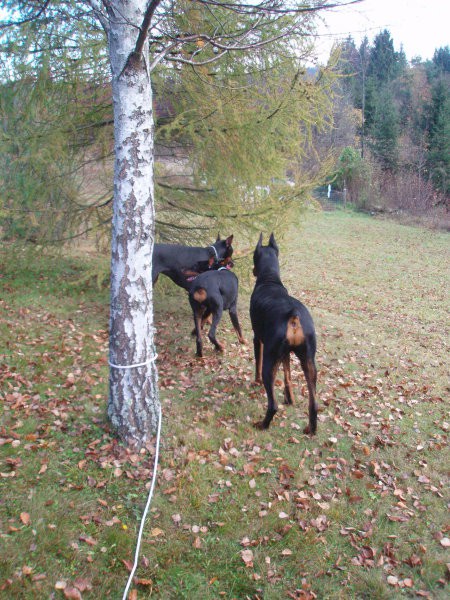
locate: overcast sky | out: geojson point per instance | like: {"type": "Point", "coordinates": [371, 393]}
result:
{"type": "Point", "coordinates": [420, 25]}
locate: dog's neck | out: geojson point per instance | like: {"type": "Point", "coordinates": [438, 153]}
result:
{"type": "Point", "coordinates": [268, 275]}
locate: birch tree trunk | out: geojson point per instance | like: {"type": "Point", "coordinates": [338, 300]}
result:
{"type": "Point", "coordinates": [133, 403]}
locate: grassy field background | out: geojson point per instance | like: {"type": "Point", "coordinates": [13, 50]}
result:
{"type": "Point", "coordinates": [359, 511]}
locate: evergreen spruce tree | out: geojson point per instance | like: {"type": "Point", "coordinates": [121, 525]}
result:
{"type": "Point", "coordinates": [438, 159]}
{"type": "Point", "coordinates": [385, 131]}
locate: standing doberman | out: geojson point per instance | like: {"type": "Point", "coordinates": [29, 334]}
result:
{"type": "Point", "coordinates": [176, 261]}
{"type": "Point", "coordinates": [281, 325]}
{"type": "Point", "coordinates": [212, 293]}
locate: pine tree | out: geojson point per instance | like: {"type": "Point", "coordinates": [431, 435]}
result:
{"type": "Point", "coordinates": [385, 131]}
{"type": "Point", "coordinates": [438, 158]}
{"type": "Point", "coordinates": [441, 59]}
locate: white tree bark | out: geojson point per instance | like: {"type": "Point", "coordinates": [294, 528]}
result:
{"type": "Point", "coordinates": [133, 404]}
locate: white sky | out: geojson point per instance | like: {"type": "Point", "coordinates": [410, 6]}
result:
{"type": "Point", "coordinates": [420, 25]}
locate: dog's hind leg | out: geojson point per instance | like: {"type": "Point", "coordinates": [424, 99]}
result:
{"type": "Point", "coordinates": [310, 371]}
{"type": "Point", "coordinates": [237, 327]}
{"type": "Point", "coordinates": [217, 315]}
{"type": "Point", "coordinates": [205, 317]}
{"type": "Point", "coordinates": [197, 310]}
{"type": "Point", "coordinates": [288, 395]}
{"type": "Point", "coordinates": [268, 373]}
{"type": "Point", "coordinates": [258, 349]}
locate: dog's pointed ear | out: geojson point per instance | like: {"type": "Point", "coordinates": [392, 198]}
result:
{"type": "Point", "coordinates": [272, 243]}
{"type": "Point", "coordinates": [259, 244]}
{"type": "Point", "coordinates": [229, 241]}
{"type": "Point", "coordinates": [218, 237]}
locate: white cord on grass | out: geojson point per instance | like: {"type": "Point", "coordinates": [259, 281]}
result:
{"type": "Point", "coordinates": [147, 506]}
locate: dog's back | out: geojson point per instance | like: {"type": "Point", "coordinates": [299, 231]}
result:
{"type": "Point", "coordinates": [208, 287]}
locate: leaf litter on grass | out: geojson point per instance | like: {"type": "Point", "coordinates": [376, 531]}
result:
{"type": "Point", "coordinates": [252, 514]}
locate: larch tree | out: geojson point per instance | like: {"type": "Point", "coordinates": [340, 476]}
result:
{"type": "Point", "coordinates": [141, 34]}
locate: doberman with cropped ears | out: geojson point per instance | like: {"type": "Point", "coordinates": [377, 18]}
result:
{"type": "Point", "coordinates": [281, 325]}
{"type": "Point", "coordinates": [211, 293]}
{"type": "Point", "coordinates": [180, 262]}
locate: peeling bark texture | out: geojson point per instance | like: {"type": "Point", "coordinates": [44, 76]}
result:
{"type": "Point", "coordinates": [133, 403]}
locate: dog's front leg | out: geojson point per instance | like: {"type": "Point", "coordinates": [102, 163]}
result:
{"type": "Point", "coordinates": [237, 327]}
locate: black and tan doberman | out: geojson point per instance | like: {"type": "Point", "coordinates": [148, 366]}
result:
{"type": "Point", "coordinates": [281, 325]}
{"type": "Point", "coordinates": [211, 293]}
{"type": "Point", "coordinates": [177, 261]}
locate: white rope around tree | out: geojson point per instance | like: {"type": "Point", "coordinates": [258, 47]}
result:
{"type": "Point", "coordinates": [142, 364]}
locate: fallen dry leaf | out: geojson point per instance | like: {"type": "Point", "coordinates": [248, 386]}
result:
{"type": "Point", "coordinates": [60, 585]}
{"type": "Point", "coordinates": [82, 584]}
{"type": "Point", "coordinates": [156, 532]}
{"type": "Point", "coordinates": [145, 582]}
{"type": "Point", "coordinates": [25, 518]}
{"type": "Point", "coordinates": [88, 540]}
{"type": "Point", "coordinates": [72, 593]}
{"type": "Point", "coordinates": [247, 557]}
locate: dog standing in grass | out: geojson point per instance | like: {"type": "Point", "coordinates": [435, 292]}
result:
{"type": "Point", "coordinates": [281, 325]}
{"type": "Point", "coordinates": [211, 293]}
{"type": "Point", "coordinates": [177, 261]}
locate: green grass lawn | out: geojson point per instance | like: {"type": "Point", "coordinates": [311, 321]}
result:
{"type": "Point", "coordinates": [358, 511]}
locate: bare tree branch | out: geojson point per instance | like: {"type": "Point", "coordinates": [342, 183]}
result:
{"type": "Point", "coordinates": [96, 6]}
{"type": "Point", "coordinates": [153, 5]}
{"type": "Point", "coordinates": [274, 7]}
{"type": "Point", "coordinates": [29, 19]}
